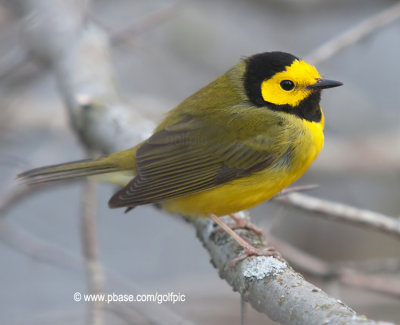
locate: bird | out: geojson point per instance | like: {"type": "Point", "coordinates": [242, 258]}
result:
{"type": "Point", "coordinates": [230, 146]}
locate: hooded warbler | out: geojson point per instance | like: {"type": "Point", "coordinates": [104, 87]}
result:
{"type": "Point", "coordinates": [230, 146]}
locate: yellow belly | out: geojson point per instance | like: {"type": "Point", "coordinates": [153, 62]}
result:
{"type": "Point", "coordinates": [249, 191]}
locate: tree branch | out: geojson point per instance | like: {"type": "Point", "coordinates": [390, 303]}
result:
{"type": "Point", "coordinates": [354, 34]}
{"type": "Point", "coordinates": [79, 54]}
{"type": "Point", "coordinates": [90, 251]}
{"type": "Point", "coordinates": [343, 213]}
{"type": "Point", "coordinates": [271, 285]}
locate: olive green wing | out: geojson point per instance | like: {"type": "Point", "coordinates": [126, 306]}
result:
{"type": "Point", "coordinates": [186, 158]}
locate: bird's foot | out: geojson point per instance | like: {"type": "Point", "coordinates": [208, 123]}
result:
{"type": "Point", "coordinates": [249, 250]}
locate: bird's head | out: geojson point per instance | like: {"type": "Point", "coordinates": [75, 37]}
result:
{"type": "Point", "coordinates": [282, 82]}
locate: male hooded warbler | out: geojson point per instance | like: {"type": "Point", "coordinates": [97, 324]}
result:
{"type": "Point", "coordinates": [230, 146]}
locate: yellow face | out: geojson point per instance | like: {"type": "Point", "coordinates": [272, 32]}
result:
{"type": "Point", "coordinates": [289, 87]}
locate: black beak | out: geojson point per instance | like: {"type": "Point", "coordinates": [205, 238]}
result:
{"type": "Point", "coordinates": [325, 83]}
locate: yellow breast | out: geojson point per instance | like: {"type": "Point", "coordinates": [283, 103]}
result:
{"type": "Point", "coordinates": [249, 191]}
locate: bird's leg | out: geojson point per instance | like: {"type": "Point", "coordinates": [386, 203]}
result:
{"type": "Point", "coordinates": [243, 223]}
{"type": "Point", "coordinates": [248, 248]}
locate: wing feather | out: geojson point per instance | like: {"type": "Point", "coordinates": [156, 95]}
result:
{"type": "Point", "coordinates": [185, 159]}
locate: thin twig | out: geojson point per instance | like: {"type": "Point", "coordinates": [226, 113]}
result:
{"type": "Point", "coordinates": [12, 197]}
{"type": "Point", "coordinates": [129, 33]}
{"type": "Point", "coordinates": [343, 213]}
{"type": "Point", "coordinates": [372, 283]}
{"type": "Point", "coordinates": [354, 34]}
{"type": "Point", "coordinates": [342, 273]}
{"type": "Point", "coordinates": [299, 188]}
{"type": "Point", "coordinates": [373, 266]}
{"type": "Point", "coordinates": [90, 251]}
{"type": "Point", "coordinates": [145, 24]}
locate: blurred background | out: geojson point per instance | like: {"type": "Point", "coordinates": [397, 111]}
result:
{"type": "Point", "coordinates": [163, 51]}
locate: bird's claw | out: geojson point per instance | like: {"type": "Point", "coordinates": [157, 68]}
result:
{"type": "Point", "coordinates": [251, 251]}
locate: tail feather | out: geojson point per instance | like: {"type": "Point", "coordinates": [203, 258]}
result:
{"type": "Point", "coordinates": [66, 171]}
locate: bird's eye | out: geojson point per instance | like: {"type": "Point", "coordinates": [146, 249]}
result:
{"type": "Point", "coordinates": [287, 85]}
